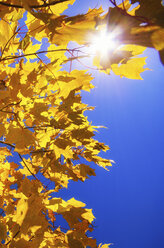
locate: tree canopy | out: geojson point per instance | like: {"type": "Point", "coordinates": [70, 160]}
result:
{"type": "Point", "coordinates": [46, 139]}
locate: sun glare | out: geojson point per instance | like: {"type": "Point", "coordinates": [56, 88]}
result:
{"type": "Point", "coordinates": [103, 43]}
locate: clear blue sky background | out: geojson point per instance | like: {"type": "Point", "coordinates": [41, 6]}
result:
{"type": "Point", "coordinates": [127, 201]}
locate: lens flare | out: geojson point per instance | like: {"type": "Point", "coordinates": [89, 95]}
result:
{"type": "Point", "coordinates": [102, 43]}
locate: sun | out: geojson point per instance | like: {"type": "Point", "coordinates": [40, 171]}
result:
{"type": "Point", "coordinates": [102, 43]}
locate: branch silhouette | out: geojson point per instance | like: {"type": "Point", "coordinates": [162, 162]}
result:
{"type": "Point", "coordinates": [32, 6]}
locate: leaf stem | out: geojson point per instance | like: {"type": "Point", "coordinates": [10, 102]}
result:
{"type": "Point", "coordinates": [28, 167]}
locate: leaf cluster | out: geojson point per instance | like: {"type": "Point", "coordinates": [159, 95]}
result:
{"type": "Point", "coordinates": [45, 135]}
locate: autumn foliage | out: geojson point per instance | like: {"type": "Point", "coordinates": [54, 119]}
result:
{"type": "Point", "coordinates": [45, 137]}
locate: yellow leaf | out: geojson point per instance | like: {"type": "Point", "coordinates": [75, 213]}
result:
{"type": "Point", "coordinates": [33, 229]}
{"type": "Point", "coordinates": [136, 50]}
{"type": "Point", "coordinates": [16, 15]}
{"type": "Point", "coordinates": [75, 203]}
{"type": "Point", "coordinates": [104, 246]}
{"type": "Point", "coordinates": [157, 39]}
{"type": "Point", "coordinates": [76, 28]}
{"type": "Point", "coordinates": [126, 5]}
{"type": "Point", "coordinates": [32, 49]}
{"type": "Point", "coordinates": [66, 152]}
{"type": "Point", "coordinates": [53, 204]}
{"type": "Point", "coordinates": [88, 215]}
{"type": "Point", "coordinates": [35, 26]}
{"type": "Point", "coordinates": [5, 32]}
{"type": "Point", "coordinates": [44, 136]}
{"type": "Point", "coordinates": [21, 137]}
{"type": "Point", "coordinates": [131, 69]}
{"type": "Point", "coordinates": [21, 211]}
{"type": "Point", "coordinates": [37, 109]}
{"type": "Point", "coordinates": [4, 94]}
{"type": "Point", "coordinates": [97, 63]}
{"type": "Point", "coordinates": [2, 130]}
{"type": "Point", "coordinates": [27, 172]}
{"type": "Point", "coordinates": [25, 4]}
{"type": "Point", "coordinates": [61, 7]}
{"type": "Point", "coordinates": [3, 231]}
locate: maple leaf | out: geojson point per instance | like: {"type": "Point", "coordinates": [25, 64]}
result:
{"type": "Point", "coordinates": [104, 246]}
{"type": "Point", "coordinates": [5, 33]}
{"type": "Point", "coordinates": [131, 69]}
{"type": "Point", "coordinates": [3, 233]}
{"type": "Point", "coordinates": [154, 11]}
{"type": "Point", "coordinates": [21, 211]}
{"type": "Point", "coordinates": [21, 138]}
{"type": "Point", "coordinates": [61, 7]}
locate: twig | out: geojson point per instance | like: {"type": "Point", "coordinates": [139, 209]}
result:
{"type": "Point", "coordinates": [7, 144]}
{"type": "Point", "coordinates": [33, 152]}
{"type": "Point", "coordinates": [7, 112]}
{"type": "Point", "coordinates": [8, 42]}
{"type": "Point", "coordinates": [10, 104]}
{"type": "Point", "coordinates": [33, 6]}
{"type": "Point", "coordinates": [35, 54]}
{"type": "Point", "coordinates": [38, 127]}
{"type": "Point", "coordinates": [123, 11]}
{"type": "Point", "coordinates": [41, 151]}
{"type": "Point", "coordinates": [13, 237]}
{"type": "Point", "coordinates": [28, 167]}
{"type": "Point", "coordinates": [46, 66]}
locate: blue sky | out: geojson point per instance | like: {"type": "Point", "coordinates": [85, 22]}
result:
{"type": "Point", "coordinates": [127, 201]}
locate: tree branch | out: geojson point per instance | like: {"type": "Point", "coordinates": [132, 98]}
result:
{"type": "Point", "coordinates": [32, 152]}
{"type": "Point", "coordinates": [10, 104]}
{"type": "Point", "coordinates": [7, 144]}
{"type": "Point", "coordinates": [9, 41]}
{"type": "Point", "coordinates": [13, 237]}
{"type": "Point", "coordinates": [28, 167]}
{"type": "Point", "coordinates": [33, 6]}
{"type": "Point", "coordinates": [41, 151]}
{"type": "Point", "coordinates": [123, 11]}
{"type": "Point", "coordinates": [41, 52]}
{"type": "Point", "coordinates": [7, 112]}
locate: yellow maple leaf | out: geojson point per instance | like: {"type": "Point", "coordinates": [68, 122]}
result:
{"type": "Point", "coordinates": [5, 33]}
{"type": "Point", "coordinates": [3, 231]}
{"type": "Point", "coordinates": [21, 211]}
{"type": "Point", "coordinates": [157, 39]}
{"type": "Point", "coordinates": [104, 246]}
{"type": "Point", "coordinates": [77, 204]}
{"type": "Point", "coordinates": [44, 136]}
{"type": "Point", "coordinates": [131, 69]}
{"type": "Point", "coordinates": [28, 169]}
{"type": "Point", "coordinates": [2, 130]}
{"type": "Point", "coordinates": [136, 50]}
{"type": "Point", "coordinates": [88, 215]}
{"type": "Point", "coordinates": [21, 137]}
{"type": "Point", "coordinates": [76, 28]}
{"type": "Point", "coordinates": [61, 7]}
